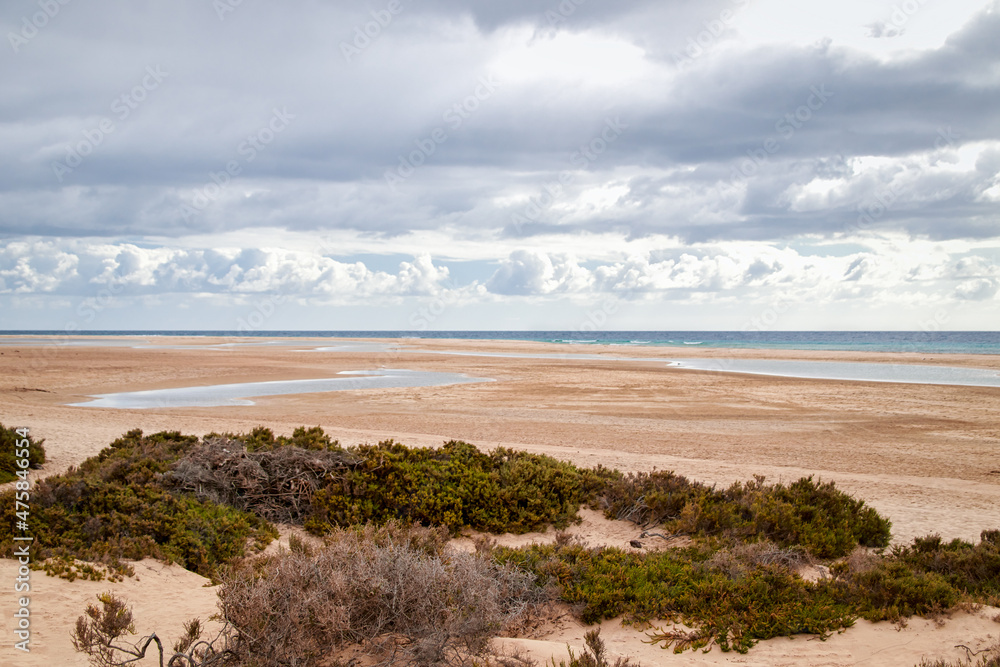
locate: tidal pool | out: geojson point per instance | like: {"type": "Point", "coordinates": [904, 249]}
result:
{"type": "Point", "coordinates": [816, 370]}
{"type": "Point", "coordinates": [843, 370]}
{"type": "Point", "coordinates": [240, 393]}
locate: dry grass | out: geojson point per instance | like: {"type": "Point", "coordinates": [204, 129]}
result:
{"type": "Point", "coordinates": [104, 635]}
{"type": "Point", "coordinates": [742, 558]}
{"type": "Point", "coordinates": [393, 591]}
{"type": "Point", "coordinates": [987, 657]}
{"type": "Point", "coordinates": [859, 561]}
{"type": "Point", "coordinates": [594, 654]}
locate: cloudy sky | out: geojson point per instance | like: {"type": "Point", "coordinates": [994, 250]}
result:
{"type": "Point", "coordinates": [446, 164]}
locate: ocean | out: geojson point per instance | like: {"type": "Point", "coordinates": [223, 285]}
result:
{"type": "Point", "coordinates": [961, 342]}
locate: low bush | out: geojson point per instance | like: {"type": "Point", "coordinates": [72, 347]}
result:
{"type": "Point", "coordinates": [972, 569]}
{"type": "Point", "coordinates": [927, 577]}
{"type": "Point", "coordinates": [682, 586]}
{"type": "Point", "coordinates": [10, 446]}
{"type": "Point", "coordinates": [263, 439]}
{"type": "Point", "coordinates": [71, 569]}
{"type": "Point", "coordinates": [311, 479]}
{"type": "Point", "coordinates": [824, 520]}
{"type": "Point", "coordinates": [393, 591]}
{"type": "Point", "coordinates": [736, 595]}
{"type": "Point", "coordinates": [885, 589]}
{"type": "Point", "coordinates": [456, 486]}
{"type": "Point", "coordinates": [117, 506]}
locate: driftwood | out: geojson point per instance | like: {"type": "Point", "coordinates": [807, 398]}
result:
{"type": "Point", "coordinates": [275, 484]}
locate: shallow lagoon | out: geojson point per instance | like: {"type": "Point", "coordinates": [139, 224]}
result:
{"type": "Point", "coordinates": [240, 393]}
{"type": "Point", "coordinates": [816, 370]}
{"type": "Point", "coordinates": [855, 371]}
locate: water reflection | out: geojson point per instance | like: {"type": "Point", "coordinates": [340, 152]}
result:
{"type": "Point", "coordinates": [856, 371]}
{"type": "Point", "coordinates": [239, 394]}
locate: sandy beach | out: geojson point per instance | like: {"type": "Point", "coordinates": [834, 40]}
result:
{"type": "Point", "coordinates": [926, 456]}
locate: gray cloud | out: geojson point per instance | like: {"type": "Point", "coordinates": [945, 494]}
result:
{"type": "Point", "coordinates": [146, 124]}
{"type": "Point", "coordinates": [351, 124]}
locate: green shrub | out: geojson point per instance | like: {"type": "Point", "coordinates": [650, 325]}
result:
{"type": "Point", "coordinates": [731, 597]}
{"type": "Point", "coordinates": [115, 506]}
{"type": "Point", "coordinates": [455, 486]}
{"type": "Point", "coordinates": [927, 577]}
{"type": "Point", "coordinates": [890, 590]}
{"type": "Point", "coordinates": [263, 439]}
{"type": "Point", "coordinates": [676, 586]}
{"type": "Point", "coordinates": [971, 569]}
{"type": "Point", "coordinates": [819, 517]}
{"type": "Point", "coordinates": [9, 446]}
{"type": "Point", "coordinates": [459, 486]}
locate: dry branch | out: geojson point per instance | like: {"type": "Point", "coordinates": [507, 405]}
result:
{"type": "Point", "coordinates": [276, 484]}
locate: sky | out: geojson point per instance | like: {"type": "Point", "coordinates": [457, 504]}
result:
{"type": "Point", "coordinates": [572, 165]}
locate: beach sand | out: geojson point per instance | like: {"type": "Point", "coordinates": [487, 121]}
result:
{"type": "Point", "coordinates": [926, 456]}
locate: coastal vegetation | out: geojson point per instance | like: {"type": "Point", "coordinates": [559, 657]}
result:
{"type": "Point", "coordinates": [385, 577]}
{"type": "Point", "coordinates": [12, 448]}
{"type": "Point", "coordinates": [818, 518]}
{"type": "Point", "coordinates": [310, 480]}
{"type": "Point", "coordinates": [119, 506]}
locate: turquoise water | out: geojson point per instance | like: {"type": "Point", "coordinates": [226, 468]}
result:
{"type": "Point", "coordinates": [928, 342]}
